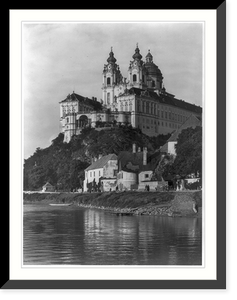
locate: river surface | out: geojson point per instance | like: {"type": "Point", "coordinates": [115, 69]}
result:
{"type": "Point", "coordinates": [80, 236]}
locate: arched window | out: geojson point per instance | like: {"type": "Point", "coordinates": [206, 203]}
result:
{"type": "Point", "coordinates": [134, 77]}
{"type": "Point", "coordinates": [108, 80]}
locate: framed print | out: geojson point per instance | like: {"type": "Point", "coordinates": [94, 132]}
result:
{"type": "Point", "coordinates": [119, 118]}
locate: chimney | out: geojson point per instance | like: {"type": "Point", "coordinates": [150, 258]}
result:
{"type": "Point", "coordinates": [133, 148]}
{"type": "Point", "coordinates": [145, 156]}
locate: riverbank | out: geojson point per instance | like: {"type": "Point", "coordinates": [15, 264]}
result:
{"type": "Point", "coordinates": [173, 204]}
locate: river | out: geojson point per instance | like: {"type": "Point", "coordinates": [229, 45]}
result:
{"type": "Point", "coordinates": [81, 236]}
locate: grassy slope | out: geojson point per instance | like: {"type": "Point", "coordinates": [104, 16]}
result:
{"type": "Point", "coordinates": [145, 202]}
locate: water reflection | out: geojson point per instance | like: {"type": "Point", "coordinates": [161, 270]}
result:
{"type": "Point", "coordinates": [93, 237]}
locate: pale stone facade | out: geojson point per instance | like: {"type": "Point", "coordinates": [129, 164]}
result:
{"type": "Point", "coordinates": [140, 100]}
{"type": "Point", "coordinates": [103, 168]}
{"type": "Point", "coordinates": [125, 180]}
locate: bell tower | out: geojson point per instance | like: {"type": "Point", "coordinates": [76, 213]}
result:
{"type": "Point", "coordinates": [112, 77]}
{"type": "Point", "coordinates": [135, 69]}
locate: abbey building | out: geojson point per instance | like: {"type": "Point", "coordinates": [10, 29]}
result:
{"type": "Point", "coordinates": [139, 99]}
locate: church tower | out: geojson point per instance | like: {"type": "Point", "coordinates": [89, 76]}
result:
{"type": "Point", "coordinates": [112, 78]}
{"type": "Point", "coordinates": [135, 69]}
{"type": "Point", "coordinates": [153, 78]}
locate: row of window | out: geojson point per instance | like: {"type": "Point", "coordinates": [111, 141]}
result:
{"type": "Point", "coordinates": [134, 79]}
{"type": "Point", "coordinates": [93, 173]}
{"type": "Point", "coordinates": [126, 106]}
{"type": "Point", "coordinates": [160, 123]}
{"type": "Point", "coordinates": [151, 108]}
{"type": "Point", "coordinates": [73, 110]}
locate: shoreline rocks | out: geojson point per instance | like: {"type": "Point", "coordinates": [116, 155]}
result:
{"type": "Point", "coordinates": [171, 204]}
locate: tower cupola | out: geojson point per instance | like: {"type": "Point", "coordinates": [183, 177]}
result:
{"type": "Point", "coordinates": [112, 78]}
{"type": "Point", "coordinates": [149, 57]}
{"type": "Point", "coordinates": [137, 55]}
{"type": "Point", "coordinates": [111, 58]}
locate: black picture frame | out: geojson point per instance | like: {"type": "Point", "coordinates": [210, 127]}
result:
{"type": "Point", "coordinates": [220, 282]}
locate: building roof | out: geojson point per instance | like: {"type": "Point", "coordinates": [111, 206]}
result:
{"type": "Point", "coordinates": [47, 184]}
{"type": "Point", "coordinates": [111, 58]}
{"type": "Point", "coordinates": [164, 98]}
{"type": "Point", "coordinates": [96, 105]}
{"type": "Point", "coordinates": [152, 68]}
{"type": "Point", "coordinates": [100, 163]}
{"type": "Point", "coordinates": [137, 54]}
{"type": "Point", "coordinates": [192, 121]}
{"type": "Point", "coordinates": [133, 162]}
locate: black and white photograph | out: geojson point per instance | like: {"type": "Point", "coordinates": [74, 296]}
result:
{"type": "Point", "coordinates": [117, 154]}
{"type": "Point", "coordinates": [113, 143]}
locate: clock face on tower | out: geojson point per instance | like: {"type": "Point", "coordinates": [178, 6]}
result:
{"type": "Point", "coordinates": [109, 67]}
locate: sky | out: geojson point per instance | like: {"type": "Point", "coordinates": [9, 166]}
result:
{"type": "Point", "coordinates": [59, 58]}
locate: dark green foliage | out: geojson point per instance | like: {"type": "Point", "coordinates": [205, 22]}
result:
{"type": "Point", "coordinates": [189, 154]}
{"type": "Point", "coordinates": [63, 164]}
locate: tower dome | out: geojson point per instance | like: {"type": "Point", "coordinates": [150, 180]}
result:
{"type": "Point", "coordinates": [111, 58]}
{"type": "Point", "coordinates": [137, 55]}
{"type": "Point", "coordinates": [150, 66]}
{"type": "Point", "coordinates": [153, 75]}
{"type": "Point", "coordinates": [152, 69]}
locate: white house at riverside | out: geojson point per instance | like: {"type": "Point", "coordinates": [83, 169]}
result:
{"type": "Point", "coordinates": [105, 169]}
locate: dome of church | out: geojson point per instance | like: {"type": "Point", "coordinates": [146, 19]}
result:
{"type": "Point", "coordinates": [137, 54]}
{"type": "Point", "coordinates": [152, 69]}
{"type": "Point", "coordinates": [111, 58]}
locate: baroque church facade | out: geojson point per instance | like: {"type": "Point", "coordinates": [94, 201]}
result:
{"type": "Point", "coordinates": [139, 100]}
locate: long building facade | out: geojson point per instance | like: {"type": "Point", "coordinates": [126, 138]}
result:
{"type": "Point", "coordinates": [139, 100]}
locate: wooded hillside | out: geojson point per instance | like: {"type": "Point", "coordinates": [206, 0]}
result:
{"type": "Point", "coordinates": [62, 164]}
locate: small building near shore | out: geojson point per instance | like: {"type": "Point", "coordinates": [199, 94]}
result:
{"type": "Point", "coordinates": [136, 170]}
{"type": "Point", "coordinates": [48, 187]}
{"type": "Point", "coordinates": [148, 183]}
{"type": "Point", "coordinates": [108, 184]}
{"type": "Point", "coordinates": [101, 170]}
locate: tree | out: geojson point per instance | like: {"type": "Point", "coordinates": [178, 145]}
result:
{"type": "Point", "coordinates": [37, 178]}
{"type": "Point", "coordinates": [188, 154]}
{"type": "Point", "coordinates": [63, 164]}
